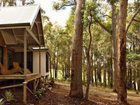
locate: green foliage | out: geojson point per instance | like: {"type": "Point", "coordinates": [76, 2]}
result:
{"type": "Point", "coordinates": [58, 39]}
{"type": "Point", "coordinates": [56, 5]}
{"type": "Point", "coordinates": [8, 95]}
{"type": "Point", "coordinates": [62, 4]}
{"type": "Point", "coordinates": [70, 22]}
{"type": "Point", "coordinates": [112, 1]}
{"type": "Point", "coordinates": [13, 2]}
{"type": "Point", "coordinates": [39, 93]}
{"type": "Point", "coordinates": [90, 7]}
{"type": "Point", "coordinates": [133, 57]}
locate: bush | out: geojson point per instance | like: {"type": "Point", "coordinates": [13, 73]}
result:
{"type": "Point", "coordinates": [8, 95]}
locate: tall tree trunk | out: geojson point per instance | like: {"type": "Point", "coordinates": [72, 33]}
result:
{"type": "Point", "coordinates": [63, 71]}
{"type": "Point", "coordinates": [138, 76]}
{"type": "Point", "coordinates": [50, 64]}
{"type": "Point", "coordinates": [95, 76]}
{"type": "Point", "coordinates": [114, 51]}
{"type": "Point", "coordinates": [129, 69]}
{"type": "Point", "coordinates": [134, 79]}
{"type": "Point", "coordinates": [88, 56]}
{"type": "Point", "coordinates": [68, 69]}
{"type": "Point", "coordinates": [56, 67]}
{"type": "Point", "coordinates": [92, 64]}
{"type": "Point", "coordinates": [88, 73]}
{"type": "Point", "coordinates": [76, 89]}
{"type": "Point", "coordinates": [110, 75]}
{"type": "Point", "coordinates": [54, 62]}
{"type": "Point", "coordinates": [121, 53]}
{"type": "Point", "coordinates": [99, 72]}
{"type": "Point", "coordinates": [104, 74]}
{"type": "Point", "coordinates": [84, 66]}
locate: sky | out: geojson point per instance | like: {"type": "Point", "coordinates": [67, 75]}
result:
{"type": "Point", "coordinates": [60, 17]}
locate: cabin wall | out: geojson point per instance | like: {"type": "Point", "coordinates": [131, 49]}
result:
{"type": "Point", "coordinates": [36, 62]}
{"type": "Point", "coordinates": [5, 57]}
{"type": "Point", "coordinates": [42, 62]}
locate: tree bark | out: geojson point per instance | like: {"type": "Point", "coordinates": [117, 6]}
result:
{"type": "Point", "coordinates": [104, 74]}
{"type": "Point", "coordinates": [129, 69]}
{"type": "Point", "coordinates": [132, 19]}
{"type": "Point", "coordinates": [95, 76]}
{"type": "Point", "coordinates": [88, 56]}
{"type": "Point", "coordinates": [134, 79]}
{"type": "Point", "coordinates": [114, 51]}
{"type": "Point", "coordinates": [138, 76]}
{"type": "Point", "coordinates": [121, 53]}
{"type": "Point", "coordinates": [56, 67]}
{"type": "Point", "coordinates": [108, 71]}
{"type": "Point", "coordinates": [92, 64]}
{"type": "Point", "coordinates": [99, 72]}
{"type": "Point", "coordinates": [88, 74]}
{"type": "Point", "coordinates": [76, 89]}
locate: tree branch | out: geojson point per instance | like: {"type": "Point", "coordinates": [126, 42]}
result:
{"type": "Point", "coordinates": [65, 5]}
{"type": "Point", "coordinates": [130, 22]}
{"type": "Point", "coordinates": [107, 16]}
{"type": "Point", "coordinates": [102, 25]}
{"type": "Point", "coordinates": [137, 20]}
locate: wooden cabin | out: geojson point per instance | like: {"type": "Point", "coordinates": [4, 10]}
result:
{"type": "Point", "coordinates": [22, 41]}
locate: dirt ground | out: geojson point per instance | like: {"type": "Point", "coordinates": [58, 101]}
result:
{"type": "Point", "coordinates": [98, 96]}
{"type": "Point", "coordinates": [58, 95]}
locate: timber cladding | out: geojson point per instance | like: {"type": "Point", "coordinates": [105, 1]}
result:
{"type": "Point", "coordinates": [2, 43]}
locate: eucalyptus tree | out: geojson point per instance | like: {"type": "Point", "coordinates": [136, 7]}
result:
{"type": "Point", "coordinates": [113, 37]}
{"type": "Point", "coordinates": [77, 42]}
{"type": "Point", "coordinates": [88, 56]}
{"type": "Point", "coordinates": [88, 43]}
{"type": "Point", "coordinates": [76, 89]}
{"type": "Point", "coordinates": [121, 53]}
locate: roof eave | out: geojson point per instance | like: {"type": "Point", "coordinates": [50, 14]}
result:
{"type": "Point", "coordinates": [15, 25]}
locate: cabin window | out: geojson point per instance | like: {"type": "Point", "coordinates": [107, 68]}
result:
{"type": "Point", "coordinates": [1, 54]}
{"type": "Point", "coordinates": [19, 57]}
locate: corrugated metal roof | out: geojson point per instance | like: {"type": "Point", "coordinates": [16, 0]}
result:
{"type": "Point", "coordinates": [18, 15]}
{"type": "Point", "coordinates": [16, 21]}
